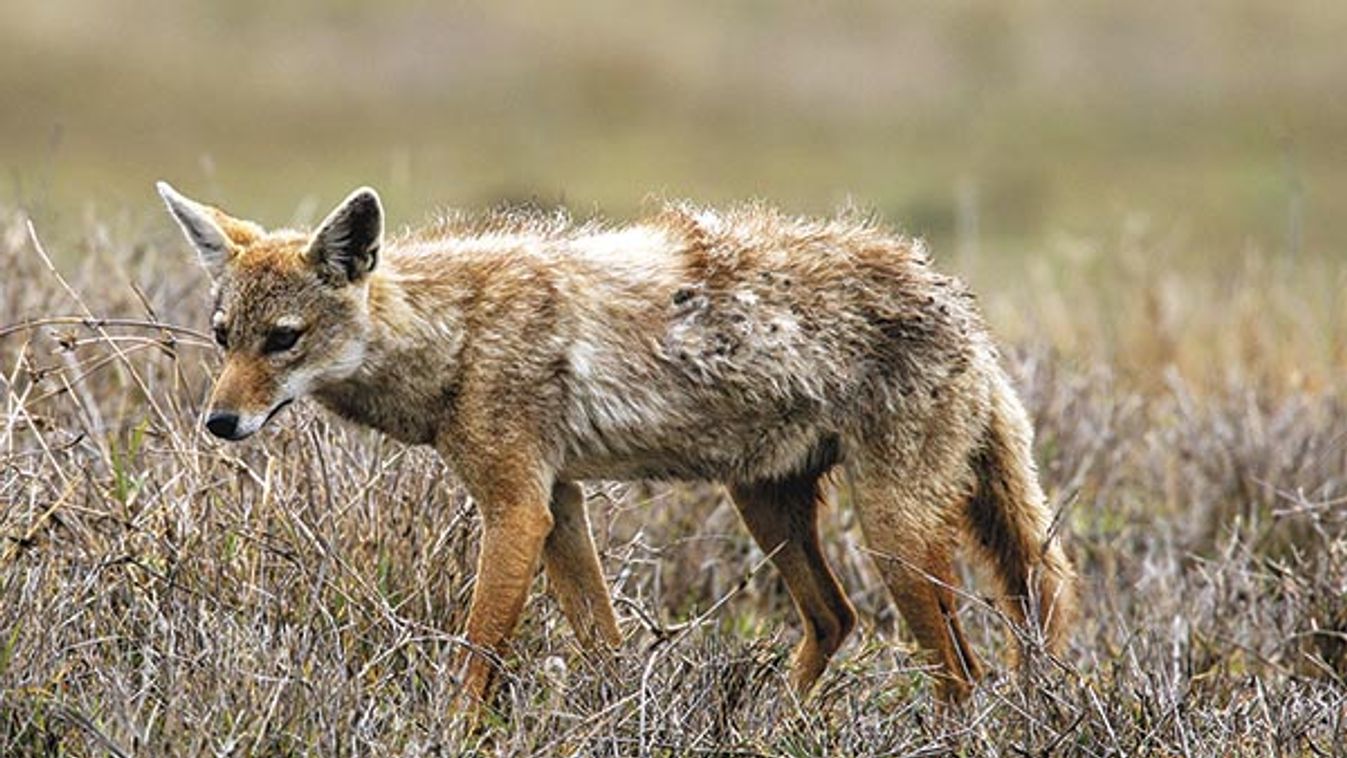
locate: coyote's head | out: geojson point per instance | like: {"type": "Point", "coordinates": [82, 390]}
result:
{"type": "Point", "coordinates": [291, 309]}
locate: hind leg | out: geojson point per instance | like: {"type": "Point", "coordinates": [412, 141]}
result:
{"type": "Point", "coordinates": [573, 572]}
{"type": "Point", "coordinates": [914, 542]}
{"type": "Point", "coordinates": [783, 518]}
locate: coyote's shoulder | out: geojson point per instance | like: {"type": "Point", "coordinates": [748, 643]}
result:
{"type": "Point", "coordinates": [745, 346]}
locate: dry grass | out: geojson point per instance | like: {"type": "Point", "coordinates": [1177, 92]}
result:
{"type": "Point", "coordinates": [163, 594]}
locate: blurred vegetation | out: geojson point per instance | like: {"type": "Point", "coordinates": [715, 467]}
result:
{"type": "Point", "coordinates": [990, 127]}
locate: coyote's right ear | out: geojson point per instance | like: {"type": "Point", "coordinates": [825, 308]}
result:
{"type": "Point", "coordinates": [203, 227]}
{"type": "Point", "coordinates": [346, 246]}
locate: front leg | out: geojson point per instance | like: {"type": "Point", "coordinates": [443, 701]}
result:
{"type": "Point", "coordinates": [515, 523]}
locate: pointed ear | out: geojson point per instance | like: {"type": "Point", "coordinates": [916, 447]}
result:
{"type": "Point", "coordinates": [199, 224]}
{"type": "Point", "coordinates": [346, 246]}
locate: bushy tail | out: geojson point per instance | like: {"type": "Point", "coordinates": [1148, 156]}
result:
{"type": "Point", "coordinates": [1009, 517]}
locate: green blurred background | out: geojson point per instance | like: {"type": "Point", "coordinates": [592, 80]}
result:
{"type": "Point", "coordinates": [990, 127]}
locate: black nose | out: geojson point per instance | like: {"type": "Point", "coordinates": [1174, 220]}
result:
{"type": "Point", "coordinates": [223, 424]}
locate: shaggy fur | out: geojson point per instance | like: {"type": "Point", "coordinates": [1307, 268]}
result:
{"type": "Point", "coordinates": [744, 347]}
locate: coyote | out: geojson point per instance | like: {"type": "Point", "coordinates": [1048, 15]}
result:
{"type": "Point", "coordinates": [744, 347]}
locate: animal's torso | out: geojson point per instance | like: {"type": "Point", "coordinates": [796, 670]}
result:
{"type": "Point", "coordinates": [733, 347]}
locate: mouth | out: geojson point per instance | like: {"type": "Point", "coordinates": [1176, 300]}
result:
{"type": "Point", "coordinates": [279, 407]}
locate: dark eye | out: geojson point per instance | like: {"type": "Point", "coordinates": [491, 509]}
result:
{"type": "Point", "coordinates": [281, 338]}
{"type": "Point", "coordinates": [222, 337]}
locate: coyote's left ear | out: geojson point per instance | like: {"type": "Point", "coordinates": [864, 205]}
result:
{"type": "Point", "coordinates": [346, 246]}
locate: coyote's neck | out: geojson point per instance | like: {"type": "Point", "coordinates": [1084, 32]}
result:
{"type": "Point", "coordinates": [415, 336]}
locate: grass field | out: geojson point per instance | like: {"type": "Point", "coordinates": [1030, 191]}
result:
{"type": "Point", "coordinates": [1148, 200]}
{"type": "Point", "coordinates": [167, 594]}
